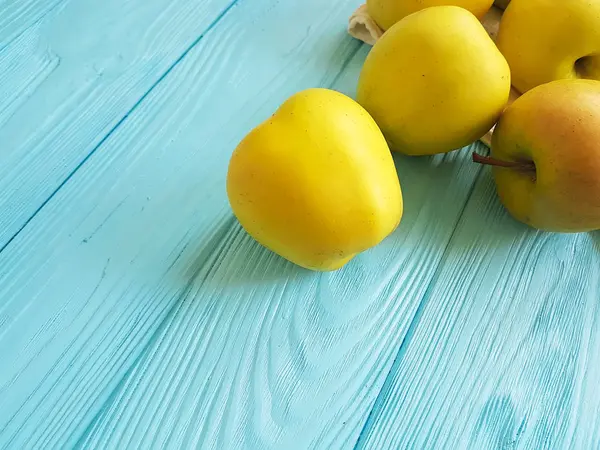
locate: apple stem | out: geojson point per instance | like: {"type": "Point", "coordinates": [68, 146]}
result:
{"type": "Point", "coordinates": [489, 161]}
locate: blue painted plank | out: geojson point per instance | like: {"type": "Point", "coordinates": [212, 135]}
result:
{"type": "Point", "coordinates": [90, 320]}
{"type": "Point", "coordinates": [69, 72]}
{"type": "Point", "coordinates": [505, 351]}
{"type": "Point", "coordinates": [16, 16]}
{"type": "Point", "coordinates": [259, 354]}
{"type": "Point", "coordinates": [137, 311]}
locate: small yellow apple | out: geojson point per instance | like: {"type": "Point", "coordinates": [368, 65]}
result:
{"type": "Point", "coordinates": [387, 12]}
{"type": "Point", "coordinates": [435, 81]}
{"type": "Point", "coordinates": [545, 155]}
{"type": "Point", "coordinates": [316, 182]}
{"type": "Point", "coordinates": [546, 40]}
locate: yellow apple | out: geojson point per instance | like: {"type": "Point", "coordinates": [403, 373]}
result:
{"type": "Point", "coordinates": [387, 12]}
{"type": "Point", "coordinates": [316, 182]}
{"type": "Point", "coordinates": [434, 82]}
{"type": "Point", "coordinates": [545, 155]}
{"type": "Point", "coordinates": [546, 40]}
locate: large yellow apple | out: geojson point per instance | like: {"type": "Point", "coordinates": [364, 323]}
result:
{"type": "Point", "coordinates": [316, 182]}
{"type": "Point", "coordinates": [545, 155]}
{"type": "Point", "coordinates": [546, 40]}
{"type": "Point", "coordinates": [387, 12]}
{"type": "Point", "coordinates": [435, 81]}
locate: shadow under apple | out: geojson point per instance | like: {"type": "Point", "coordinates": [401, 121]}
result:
{"type": "Point", "coordinates": [486, 222]}
{"type": "Point", "coordinates": [596, 240]}
{"type": "Point", "coordinates": [233, 258]}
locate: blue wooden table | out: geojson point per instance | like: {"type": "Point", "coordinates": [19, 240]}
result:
{"type": "Point", "coordinates": [136, 313]}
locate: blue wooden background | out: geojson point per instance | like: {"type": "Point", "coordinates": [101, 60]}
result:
{"type": "Point", "coordinates": [135, 312]}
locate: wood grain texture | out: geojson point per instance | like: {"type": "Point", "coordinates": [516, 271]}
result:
{"type": "Point", "coordinates": [505, 352]}
{"type": "Point", "coordinates": [136, 311]}
{"type": "Point", "coordinates": [16, 16]}
{"type": "Point", "coordinates": [69, 72]}
{"type": "Point", "coordinates": [260, 354]}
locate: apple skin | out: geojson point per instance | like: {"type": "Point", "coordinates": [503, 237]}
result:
{"type": "Point", "coordinates": [435, 81]}
{"type": "Point", "coordinates": [557, 127]}
{"type": "Point", "coordinates": [547, 40]}
{"type": "Point", "coordinates": [387, 12]}
{"type": "Point", "coordinates": [316, 182]}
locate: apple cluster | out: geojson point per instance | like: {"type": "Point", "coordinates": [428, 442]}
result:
{"type": "Point", "coordinates": [443, 74]}
{"type": "Point", "coordinates": [316, 182]}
